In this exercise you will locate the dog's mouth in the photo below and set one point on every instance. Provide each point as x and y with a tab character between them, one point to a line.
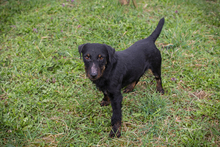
93	79
94	76
94	73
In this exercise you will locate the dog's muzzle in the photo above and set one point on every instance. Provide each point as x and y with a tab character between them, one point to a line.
94	72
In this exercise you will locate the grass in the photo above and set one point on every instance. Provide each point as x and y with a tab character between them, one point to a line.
46	99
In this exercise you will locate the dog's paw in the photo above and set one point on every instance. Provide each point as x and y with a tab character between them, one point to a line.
126	90
113	134
130	87
116	131
104	103
160	88
160	91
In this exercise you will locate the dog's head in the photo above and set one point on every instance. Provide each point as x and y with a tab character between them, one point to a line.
96	56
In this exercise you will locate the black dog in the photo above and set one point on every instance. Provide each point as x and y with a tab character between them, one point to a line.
111	71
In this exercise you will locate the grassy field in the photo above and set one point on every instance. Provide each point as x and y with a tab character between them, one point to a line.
46	99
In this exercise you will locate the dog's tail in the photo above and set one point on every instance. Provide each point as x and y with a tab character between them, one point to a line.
157	31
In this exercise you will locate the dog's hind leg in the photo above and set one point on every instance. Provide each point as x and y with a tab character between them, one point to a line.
157	74
159	85
130	87
105	101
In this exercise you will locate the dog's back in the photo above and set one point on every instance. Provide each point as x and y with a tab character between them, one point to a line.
139	57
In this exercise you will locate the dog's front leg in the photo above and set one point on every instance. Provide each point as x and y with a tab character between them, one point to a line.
116	99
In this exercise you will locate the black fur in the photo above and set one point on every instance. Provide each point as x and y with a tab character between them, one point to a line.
110	71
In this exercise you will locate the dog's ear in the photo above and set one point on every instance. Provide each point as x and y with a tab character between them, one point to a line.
111	52
80	48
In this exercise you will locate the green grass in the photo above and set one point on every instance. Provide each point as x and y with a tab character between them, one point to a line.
46	99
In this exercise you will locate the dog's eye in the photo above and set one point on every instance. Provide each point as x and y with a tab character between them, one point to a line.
87	57
100	58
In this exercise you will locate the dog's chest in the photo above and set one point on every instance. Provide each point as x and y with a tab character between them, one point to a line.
101	84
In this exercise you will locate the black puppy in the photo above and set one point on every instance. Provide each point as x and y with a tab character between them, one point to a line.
111	71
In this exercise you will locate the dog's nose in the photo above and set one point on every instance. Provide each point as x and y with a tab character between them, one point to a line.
93	74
